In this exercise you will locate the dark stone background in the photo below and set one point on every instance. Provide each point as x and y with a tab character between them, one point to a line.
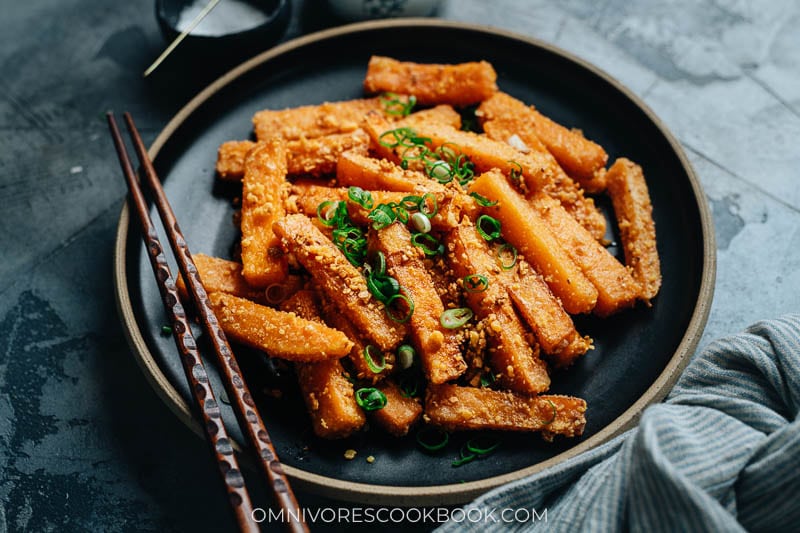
85	444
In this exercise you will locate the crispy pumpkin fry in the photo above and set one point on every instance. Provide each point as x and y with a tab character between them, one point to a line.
543	313
487	154
562	188
524	228
305	196
628	190
437	346
467	408
579	156
279	334
328	394
358	170
503	116
313	120
220	275
441	114
458	85
516	363
616	289
264	191
362	370
400	413
314	157
338	280
230	159
330	399
504	119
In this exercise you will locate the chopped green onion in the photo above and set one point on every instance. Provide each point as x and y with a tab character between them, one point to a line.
455	318
401	319
421	222
509	249
370	399
411	203
383	287
476	283
400	212
464	456
376	367
361	197
326	212
482	200
428	199
427	243
396	137
488	227
487	379
166	330
394	104
555	412
405	356
479	449
379	266
515	173
440	171
429	444
381	216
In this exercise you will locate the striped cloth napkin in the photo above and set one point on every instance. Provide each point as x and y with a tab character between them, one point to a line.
722	453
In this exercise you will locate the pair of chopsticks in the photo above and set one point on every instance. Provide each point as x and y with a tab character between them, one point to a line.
207	406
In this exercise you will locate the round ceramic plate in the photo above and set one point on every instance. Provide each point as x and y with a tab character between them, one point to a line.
638	354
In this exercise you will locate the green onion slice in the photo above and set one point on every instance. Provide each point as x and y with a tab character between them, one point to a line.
476	283
428	205
455	318
487	379
427	243
394	314
405	356
370	399
432	439
488	227
361	197
464	456
515	173
378	264
441	171
479	448
394	104
382	216
411	203
371	353
327	211
166	330
383	288
555	412
482	200
507	256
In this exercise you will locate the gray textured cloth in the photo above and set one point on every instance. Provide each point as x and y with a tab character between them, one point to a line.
722	453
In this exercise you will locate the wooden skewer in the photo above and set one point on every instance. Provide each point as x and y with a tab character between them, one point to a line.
243	403
192	25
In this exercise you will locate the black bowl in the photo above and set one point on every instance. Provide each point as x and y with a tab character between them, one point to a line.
233	30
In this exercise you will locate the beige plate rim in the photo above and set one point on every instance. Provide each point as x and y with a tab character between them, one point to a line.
441	494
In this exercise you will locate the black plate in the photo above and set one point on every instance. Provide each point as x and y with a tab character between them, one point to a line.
635	351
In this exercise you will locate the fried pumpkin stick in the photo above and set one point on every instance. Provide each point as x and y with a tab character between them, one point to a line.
628	190
511	356
338	280
454	408
328	394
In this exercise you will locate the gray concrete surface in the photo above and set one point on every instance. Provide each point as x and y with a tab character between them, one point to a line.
84	442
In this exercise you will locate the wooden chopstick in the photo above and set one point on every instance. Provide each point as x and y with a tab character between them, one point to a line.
243	403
